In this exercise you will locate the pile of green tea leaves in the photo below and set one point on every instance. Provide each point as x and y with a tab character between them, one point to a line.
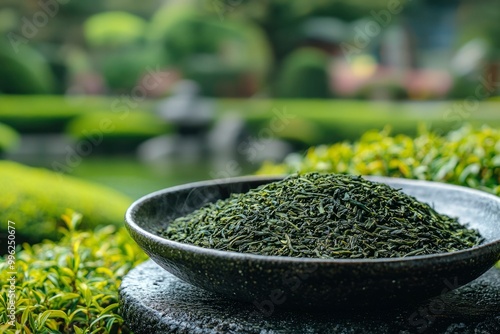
328	216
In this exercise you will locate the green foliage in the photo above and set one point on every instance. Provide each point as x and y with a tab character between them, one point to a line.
469	157
167	17
464	87
382	90
70	286
304	75
219	55
486	27
310	122
8	138
123	68
283	19
234	62
35	198
44	113
118	40
112	29
24	71
126	130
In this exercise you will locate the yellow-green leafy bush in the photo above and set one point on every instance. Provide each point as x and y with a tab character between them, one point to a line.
35	198
469	157
8	138
70	286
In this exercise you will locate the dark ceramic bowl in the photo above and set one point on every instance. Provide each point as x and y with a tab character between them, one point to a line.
270	281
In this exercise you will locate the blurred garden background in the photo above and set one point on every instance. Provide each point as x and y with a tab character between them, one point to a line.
102	102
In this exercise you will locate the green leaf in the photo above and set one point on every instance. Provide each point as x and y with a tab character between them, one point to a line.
31	321
68	272
471	170
74	314
65	296
100	318
40	298
42	318
25	315
105	271
77	330
109	308
58	314
111	322
495	161
86	293
448	167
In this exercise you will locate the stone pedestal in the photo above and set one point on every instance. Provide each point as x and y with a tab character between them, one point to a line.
154	301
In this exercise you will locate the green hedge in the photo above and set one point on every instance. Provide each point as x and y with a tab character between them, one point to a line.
122	68
44	113
304	74
35	198
468	157
9	138
125	131
315	122
70	286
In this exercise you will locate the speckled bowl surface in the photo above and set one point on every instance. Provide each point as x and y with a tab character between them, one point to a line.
305	283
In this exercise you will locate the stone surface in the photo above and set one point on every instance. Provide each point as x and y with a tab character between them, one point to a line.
155	301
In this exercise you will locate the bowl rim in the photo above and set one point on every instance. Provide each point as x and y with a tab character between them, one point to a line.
464	254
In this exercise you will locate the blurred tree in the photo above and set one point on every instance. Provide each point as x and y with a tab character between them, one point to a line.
117	41
282	20
225	57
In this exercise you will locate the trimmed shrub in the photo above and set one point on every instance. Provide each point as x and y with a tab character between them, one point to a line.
310	122
35	198
468	157
45	113
120	48
8	138
24	73
112	29
124	133
123	68
70	286
304	74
